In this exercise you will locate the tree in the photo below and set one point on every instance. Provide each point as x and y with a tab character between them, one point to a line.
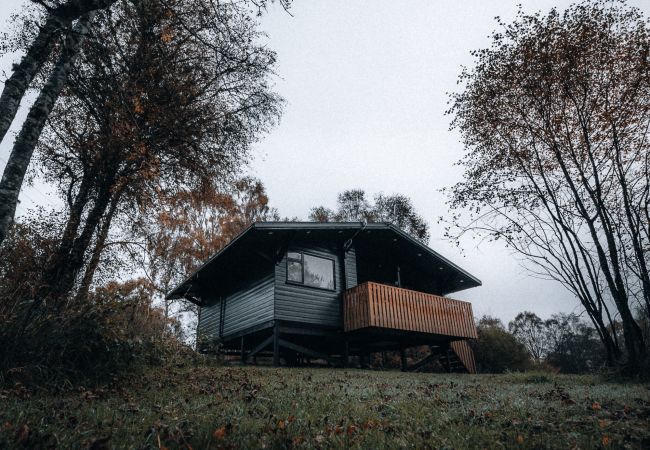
59	17
554	118
191	226
353	206
496	350
530	330
113	147
574	346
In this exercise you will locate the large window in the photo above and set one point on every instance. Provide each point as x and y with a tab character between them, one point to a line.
310	270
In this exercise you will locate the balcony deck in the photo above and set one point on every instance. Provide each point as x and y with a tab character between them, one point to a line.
374	305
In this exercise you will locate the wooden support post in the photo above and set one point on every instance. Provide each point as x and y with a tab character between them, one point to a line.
402	355
243	351
363	360
276	345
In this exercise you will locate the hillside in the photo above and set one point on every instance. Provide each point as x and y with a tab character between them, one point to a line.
251	407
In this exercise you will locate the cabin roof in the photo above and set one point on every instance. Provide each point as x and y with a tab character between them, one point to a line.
266	237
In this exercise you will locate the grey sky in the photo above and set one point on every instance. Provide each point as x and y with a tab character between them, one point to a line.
365	84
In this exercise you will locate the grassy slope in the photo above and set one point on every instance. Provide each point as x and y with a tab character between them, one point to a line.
212	407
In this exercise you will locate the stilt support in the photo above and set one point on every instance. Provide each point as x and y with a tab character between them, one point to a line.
276	345
402	357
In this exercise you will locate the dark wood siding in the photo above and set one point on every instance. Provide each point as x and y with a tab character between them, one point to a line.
249	307
245	308
208	326
350	268
305	304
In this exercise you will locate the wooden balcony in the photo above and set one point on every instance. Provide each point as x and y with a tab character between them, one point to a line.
374	305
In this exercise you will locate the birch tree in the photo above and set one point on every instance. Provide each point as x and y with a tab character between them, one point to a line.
164	99
59	17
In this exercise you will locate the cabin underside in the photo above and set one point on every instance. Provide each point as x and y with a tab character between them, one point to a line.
292	344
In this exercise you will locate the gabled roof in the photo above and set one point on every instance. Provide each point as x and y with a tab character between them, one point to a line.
272	235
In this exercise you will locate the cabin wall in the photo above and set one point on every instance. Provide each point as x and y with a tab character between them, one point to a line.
310	305
350	268
208	326
247	307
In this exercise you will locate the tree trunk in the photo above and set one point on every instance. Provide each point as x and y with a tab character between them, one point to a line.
60	277
21	154
23	74
97	251
37	53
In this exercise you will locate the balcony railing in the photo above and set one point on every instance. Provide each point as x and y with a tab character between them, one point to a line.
382	306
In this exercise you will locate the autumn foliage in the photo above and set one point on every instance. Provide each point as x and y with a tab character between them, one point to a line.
145	148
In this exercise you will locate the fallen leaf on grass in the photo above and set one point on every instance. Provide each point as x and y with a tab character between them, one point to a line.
520	439
22	434
596	406
606	441
219	433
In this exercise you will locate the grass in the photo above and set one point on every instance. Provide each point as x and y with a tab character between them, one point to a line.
261	407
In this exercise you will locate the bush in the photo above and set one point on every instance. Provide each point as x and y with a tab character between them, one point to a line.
496	350
114	331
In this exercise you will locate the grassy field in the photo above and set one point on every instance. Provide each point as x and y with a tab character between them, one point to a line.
250	407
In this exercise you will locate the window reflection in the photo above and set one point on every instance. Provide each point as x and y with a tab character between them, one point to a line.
319	272
310	270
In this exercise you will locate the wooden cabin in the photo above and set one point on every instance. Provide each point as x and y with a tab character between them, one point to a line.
331	291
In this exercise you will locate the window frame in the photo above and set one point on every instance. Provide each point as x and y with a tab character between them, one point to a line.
302	272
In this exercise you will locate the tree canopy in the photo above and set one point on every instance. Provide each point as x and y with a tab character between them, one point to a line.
354	206
554	117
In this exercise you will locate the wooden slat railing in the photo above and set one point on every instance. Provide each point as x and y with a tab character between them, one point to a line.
379	305
465	354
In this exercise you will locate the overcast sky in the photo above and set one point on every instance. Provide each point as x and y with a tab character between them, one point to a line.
366	85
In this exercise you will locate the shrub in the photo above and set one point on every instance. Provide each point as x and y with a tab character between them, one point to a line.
114	331
496	350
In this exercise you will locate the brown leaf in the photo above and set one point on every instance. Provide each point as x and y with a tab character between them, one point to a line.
219	433
22	434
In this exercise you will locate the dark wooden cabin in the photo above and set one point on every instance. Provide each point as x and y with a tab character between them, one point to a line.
331	291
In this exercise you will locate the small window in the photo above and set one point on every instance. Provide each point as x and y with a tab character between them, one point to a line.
310	270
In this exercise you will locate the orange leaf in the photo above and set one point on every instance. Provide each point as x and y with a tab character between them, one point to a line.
520	439
219	433
596	406
606	441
